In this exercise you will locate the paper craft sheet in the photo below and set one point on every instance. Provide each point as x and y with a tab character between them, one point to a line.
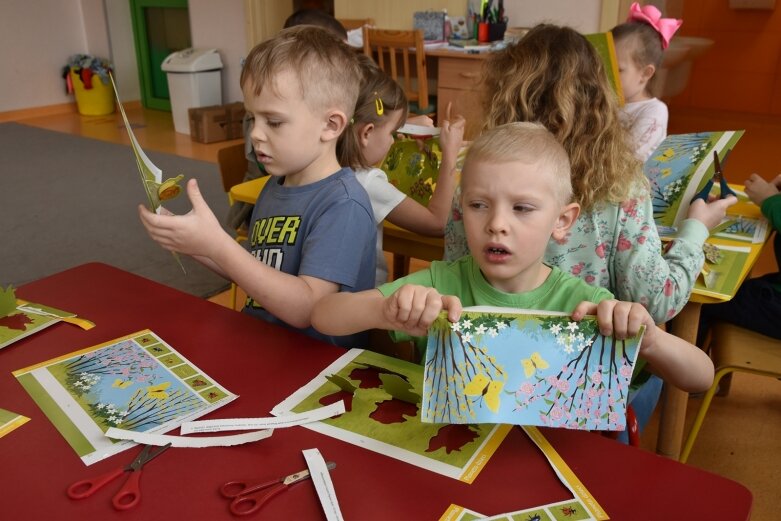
29	318
10	421
605	46
581	507
377	421
155	188
680	167
502	365
726	276
137	382
746	229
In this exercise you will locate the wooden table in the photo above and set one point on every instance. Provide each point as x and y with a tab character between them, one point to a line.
686	325
264	364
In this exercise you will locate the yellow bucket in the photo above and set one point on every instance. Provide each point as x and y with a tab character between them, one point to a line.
97	101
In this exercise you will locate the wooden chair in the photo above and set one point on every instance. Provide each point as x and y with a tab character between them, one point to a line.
355	23
233	167
390	48
732	349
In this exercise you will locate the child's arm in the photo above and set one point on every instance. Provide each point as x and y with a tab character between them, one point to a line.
198	233
659	278
431	219
411	309
675	360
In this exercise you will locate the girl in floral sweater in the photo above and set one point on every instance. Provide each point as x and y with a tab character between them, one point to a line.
554	76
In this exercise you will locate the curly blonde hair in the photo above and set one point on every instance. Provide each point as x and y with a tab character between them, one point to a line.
553	76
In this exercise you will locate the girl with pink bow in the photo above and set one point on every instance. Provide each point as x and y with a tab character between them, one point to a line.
640	44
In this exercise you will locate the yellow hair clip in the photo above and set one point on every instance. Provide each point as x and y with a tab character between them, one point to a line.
378	104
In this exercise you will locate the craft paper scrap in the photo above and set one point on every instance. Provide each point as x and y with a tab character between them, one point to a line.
680	167
740	228
137	382
721	280
184	442
582	507
10	421
381	396
565	473
245	424
26	318
155	188
321	477
564	510
521	367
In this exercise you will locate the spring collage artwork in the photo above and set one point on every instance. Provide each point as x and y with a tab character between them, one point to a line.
137	383
498	365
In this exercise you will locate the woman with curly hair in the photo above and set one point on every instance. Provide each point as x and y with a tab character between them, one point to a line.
554	76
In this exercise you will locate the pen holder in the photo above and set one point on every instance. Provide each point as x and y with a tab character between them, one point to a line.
482	32
496	31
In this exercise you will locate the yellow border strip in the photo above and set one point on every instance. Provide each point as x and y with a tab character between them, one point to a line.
19	372
572	481
482	456
13	424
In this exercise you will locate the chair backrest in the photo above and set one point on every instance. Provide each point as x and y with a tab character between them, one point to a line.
355	23
233	165
391	48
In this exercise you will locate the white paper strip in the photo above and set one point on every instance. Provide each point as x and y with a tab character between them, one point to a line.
418	130
181	441
323	484
246	424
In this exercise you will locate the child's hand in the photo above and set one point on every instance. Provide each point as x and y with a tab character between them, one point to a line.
757	189
412	309
619	319
711	213
451	135
194	233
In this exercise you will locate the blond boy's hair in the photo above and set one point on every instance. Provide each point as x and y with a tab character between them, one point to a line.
327	68
529	143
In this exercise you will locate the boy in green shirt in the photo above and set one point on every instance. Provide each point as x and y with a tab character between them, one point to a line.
516	195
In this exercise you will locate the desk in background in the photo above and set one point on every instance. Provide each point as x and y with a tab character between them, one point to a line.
264	364
458	75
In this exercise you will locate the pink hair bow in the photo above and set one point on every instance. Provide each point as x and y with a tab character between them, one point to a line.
649	14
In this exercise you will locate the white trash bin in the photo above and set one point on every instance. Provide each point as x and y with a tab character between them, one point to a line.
194	80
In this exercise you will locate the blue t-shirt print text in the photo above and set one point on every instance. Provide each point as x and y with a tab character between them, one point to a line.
268	236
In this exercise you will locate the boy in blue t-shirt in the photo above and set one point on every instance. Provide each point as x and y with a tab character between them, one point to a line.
312	228
516	195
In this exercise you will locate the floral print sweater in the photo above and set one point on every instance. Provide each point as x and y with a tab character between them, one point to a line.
617	247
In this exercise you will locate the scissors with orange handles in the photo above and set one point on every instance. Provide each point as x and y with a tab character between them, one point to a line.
130	493
718	175
249	498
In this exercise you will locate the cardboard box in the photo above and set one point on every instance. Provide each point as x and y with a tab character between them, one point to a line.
216	123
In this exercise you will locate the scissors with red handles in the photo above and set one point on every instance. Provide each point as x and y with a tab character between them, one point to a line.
718	175
248	498
130	493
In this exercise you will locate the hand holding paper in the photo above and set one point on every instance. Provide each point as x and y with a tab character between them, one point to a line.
413	309
711	213
197	232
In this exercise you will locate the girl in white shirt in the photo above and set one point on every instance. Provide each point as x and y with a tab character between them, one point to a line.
640	44
379	112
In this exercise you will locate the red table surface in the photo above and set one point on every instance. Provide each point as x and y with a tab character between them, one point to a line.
264	364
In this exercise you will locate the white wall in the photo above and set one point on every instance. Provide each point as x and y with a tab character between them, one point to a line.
122	49
582	15
221	25
38	36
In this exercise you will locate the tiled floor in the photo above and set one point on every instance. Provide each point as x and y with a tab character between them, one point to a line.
740	436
